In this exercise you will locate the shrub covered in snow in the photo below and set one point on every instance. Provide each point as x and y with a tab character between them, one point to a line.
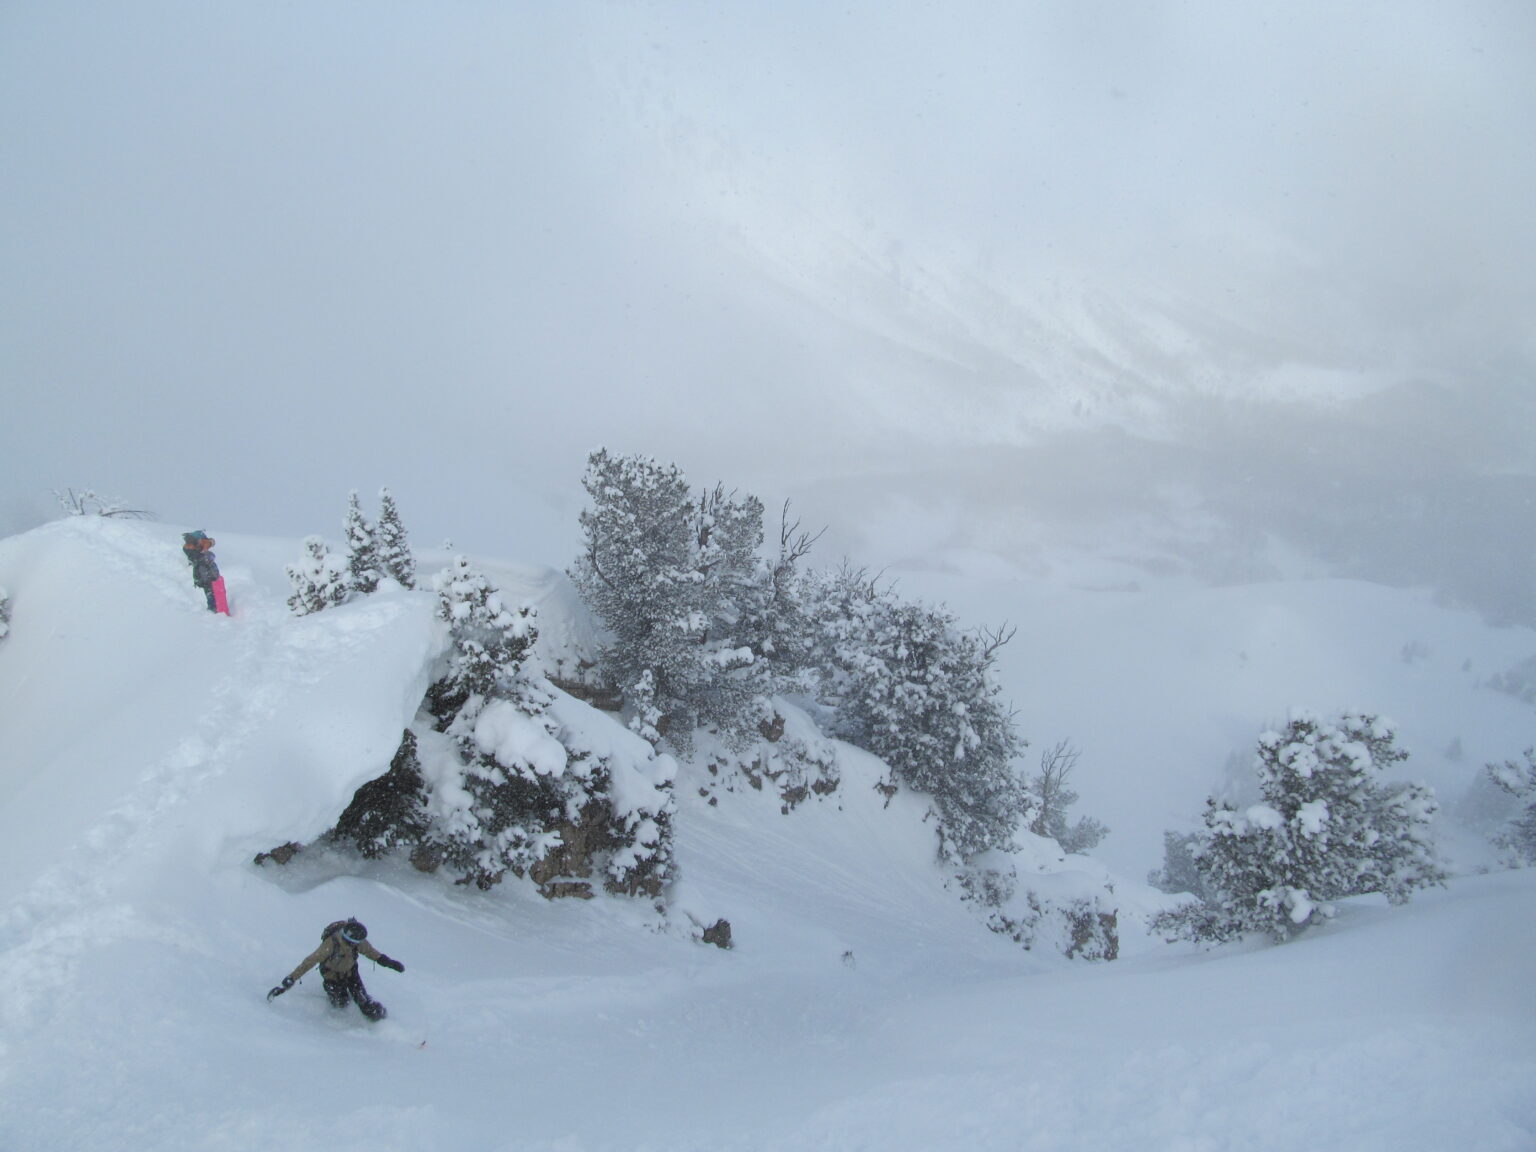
88	502
319	581
5	612
1519	781
1324	829
1054	798
792	758
1058	910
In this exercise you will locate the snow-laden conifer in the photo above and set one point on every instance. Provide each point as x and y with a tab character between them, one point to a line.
490	645
1180	871
1519	780
736	592
5	612
1326	828
673	579
516	797
911	687
636	573
394	549
773	619
362	548
319	581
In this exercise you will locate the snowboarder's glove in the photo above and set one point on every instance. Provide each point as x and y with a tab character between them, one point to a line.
388	963
281	988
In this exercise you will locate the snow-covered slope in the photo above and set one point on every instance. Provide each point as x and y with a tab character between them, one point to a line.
148	749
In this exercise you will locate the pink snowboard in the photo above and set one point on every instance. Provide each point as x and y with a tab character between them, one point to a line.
220	598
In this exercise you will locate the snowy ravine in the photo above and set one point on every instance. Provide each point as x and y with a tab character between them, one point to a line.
149	749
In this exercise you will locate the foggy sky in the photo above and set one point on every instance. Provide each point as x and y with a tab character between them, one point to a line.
875	258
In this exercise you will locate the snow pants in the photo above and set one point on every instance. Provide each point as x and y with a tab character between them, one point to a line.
350	987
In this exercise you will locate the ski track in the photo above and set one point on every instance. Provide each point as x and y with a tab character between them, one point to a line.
77	904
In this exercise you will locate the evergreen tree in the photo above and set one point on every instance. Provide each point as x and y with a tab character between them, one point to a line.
5	613
637	576
362	548
490	644
524	802
773	619
394	550
1325	829
1180	871
319	581
499	815
916	691
1519	780
672	579
734	591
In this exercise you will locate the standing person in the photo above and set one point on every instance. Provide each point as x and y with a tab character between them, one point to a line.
198	549
340	944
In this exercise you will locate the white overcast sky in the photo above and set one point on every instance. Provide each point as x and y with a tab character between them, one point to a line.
254	255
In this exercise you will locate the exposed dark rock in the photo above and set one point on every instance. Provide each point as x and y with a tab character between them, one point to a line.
281	854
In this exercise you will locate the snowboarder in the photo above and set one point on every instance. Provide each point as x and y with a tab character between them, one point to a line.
198	549
337	956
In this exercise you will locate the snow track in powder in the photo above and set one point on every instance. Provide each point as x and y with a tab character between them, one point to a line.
135	801
79	903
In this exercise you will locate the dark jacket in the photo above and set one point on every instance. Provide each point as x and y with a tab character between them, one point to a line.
204	570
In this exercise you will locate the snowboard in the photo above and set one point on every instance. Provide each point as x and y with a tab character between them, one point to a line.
220	597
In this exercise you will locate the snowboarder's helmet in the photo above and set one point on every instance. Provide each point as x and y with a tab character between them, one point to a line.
353	932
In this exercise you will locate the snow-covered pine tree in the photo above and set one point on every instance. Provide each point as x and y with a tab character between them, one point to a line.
1179	872
521	800
636	573
362	548
5	612
490	644
1519	780
497	816
773	619
841	606
911	687
735	589
1325	829
671	578
394	550
319	581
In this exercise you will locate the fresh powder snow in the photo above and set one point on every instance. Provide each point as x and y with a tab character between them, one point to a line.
149	750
